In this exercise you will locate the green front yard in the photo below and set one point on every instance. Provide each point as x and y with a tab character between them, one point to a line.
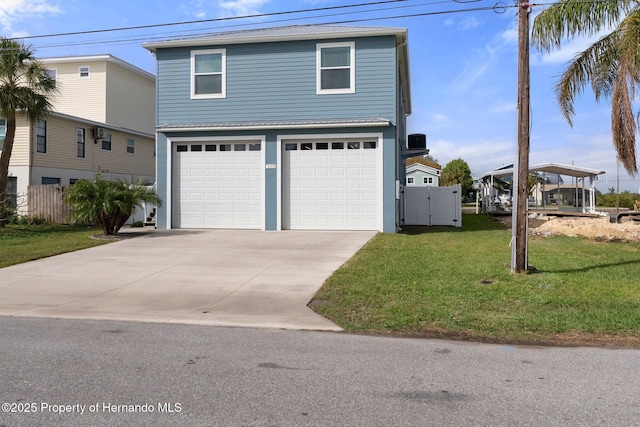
440	281
22	243
450	282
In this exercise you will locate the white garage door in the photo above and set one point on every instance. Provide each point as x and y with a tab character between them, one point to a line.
217	185
331	185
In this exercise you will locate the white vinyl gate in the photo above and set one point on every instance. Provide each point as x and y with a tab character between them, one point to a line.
433	205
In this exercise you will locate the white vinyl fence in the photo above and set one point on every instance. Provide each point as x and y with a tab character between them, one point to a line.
433	205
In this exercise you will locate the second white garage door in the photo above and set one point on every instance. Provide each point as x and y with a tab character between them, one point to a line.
331	185
217	185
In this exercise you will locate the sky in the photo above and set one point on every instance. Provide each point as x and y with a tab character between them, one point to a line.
463	66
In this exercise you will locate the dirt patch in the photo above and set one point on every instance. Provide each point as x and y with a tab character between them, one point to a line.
599	229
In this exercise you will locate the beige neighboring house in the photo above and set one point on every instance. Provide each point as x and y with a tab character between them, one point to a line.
102	123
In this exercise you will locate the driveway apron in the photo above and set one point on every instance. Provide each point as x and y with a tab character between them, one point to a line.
206	277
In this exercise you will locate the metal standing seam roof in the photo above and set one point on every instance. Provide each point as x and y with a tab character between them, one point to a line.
298	124
556	168
263	35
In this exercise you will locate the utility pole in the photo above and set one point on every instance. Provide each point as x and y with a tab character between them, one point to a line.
519	214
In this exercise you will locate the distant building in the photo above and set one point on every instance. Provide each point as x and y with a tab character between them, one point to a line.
102	123
422	175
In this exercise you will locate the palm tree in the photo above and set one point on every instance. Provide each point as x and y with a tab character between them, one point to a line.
107	203
25	86
611	65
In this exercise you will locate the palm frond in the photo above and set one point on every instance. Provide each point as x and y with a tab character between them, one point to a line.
623	124
569	18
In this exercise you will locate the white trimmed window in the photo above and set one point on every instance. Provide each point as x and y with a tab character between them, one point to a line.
84	72
131	145
3	131
106	142
411	180
41	136
427	180
80	143
336	68
52	73
208	73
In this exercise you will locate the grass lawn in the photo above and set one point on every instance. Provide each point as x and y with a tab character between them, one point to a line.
456	283
21	243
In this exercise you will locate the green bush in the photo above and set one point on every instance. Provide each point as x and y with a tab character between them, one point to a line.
106	203
627	199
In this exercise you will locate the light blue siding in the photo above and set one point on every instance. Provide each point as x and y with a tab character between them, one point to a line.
277	81
389	148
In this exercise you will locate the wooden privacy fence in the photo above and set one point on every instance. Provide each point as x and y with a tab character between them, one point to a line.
45	201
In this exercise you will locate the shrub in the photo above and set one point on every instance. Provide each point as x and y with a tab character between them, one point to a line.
106	203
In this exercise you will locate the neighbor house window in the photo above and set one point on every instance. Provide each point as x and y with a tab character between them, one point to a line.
12	191
3	131
336	70
106	142
131	145
84	72
410	180
46	180
208	73
41	136
80	142
427	180
52	73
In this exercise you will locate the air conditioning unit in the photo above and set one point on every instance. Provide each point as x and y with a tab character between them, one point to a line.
98	132
417	141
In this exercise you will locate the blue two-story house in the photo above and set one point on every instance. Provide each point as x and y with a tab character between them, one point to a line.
298	127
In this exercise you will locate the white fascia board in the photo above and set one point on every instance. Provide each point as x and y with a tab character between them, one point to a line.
275	126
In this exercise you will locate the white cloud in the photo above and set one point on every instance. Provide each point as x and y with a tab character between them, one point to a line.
203	9
481	155
469	23
483	60
13	11
241	7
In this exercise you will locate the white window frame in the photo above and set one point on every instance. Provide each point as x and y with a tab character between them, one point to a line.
427	180
81	133
352	66
38	135
132	146
53	73
3	134
88	68
223	73
107	138
411	180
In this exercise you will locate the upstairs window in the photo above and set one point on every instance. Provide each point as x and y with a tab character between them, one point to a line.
208	73
80	143
3	131
52	73
336	70
41	136
84	72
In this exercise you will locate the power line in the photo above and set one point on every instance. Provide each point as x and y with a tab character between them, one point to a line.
259	15
164	35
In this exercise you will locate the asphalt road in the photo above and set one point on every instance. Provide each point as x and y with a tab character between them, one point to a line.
117	373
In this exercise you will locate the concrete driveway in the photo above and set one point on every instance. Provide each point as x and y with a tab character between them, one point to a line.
206	277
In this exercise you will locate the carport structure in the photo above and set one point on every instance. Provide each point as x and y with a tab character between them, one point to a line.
584	190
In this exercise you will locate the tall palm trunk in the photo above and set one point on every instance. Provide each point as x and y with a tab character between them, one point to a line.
4	167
